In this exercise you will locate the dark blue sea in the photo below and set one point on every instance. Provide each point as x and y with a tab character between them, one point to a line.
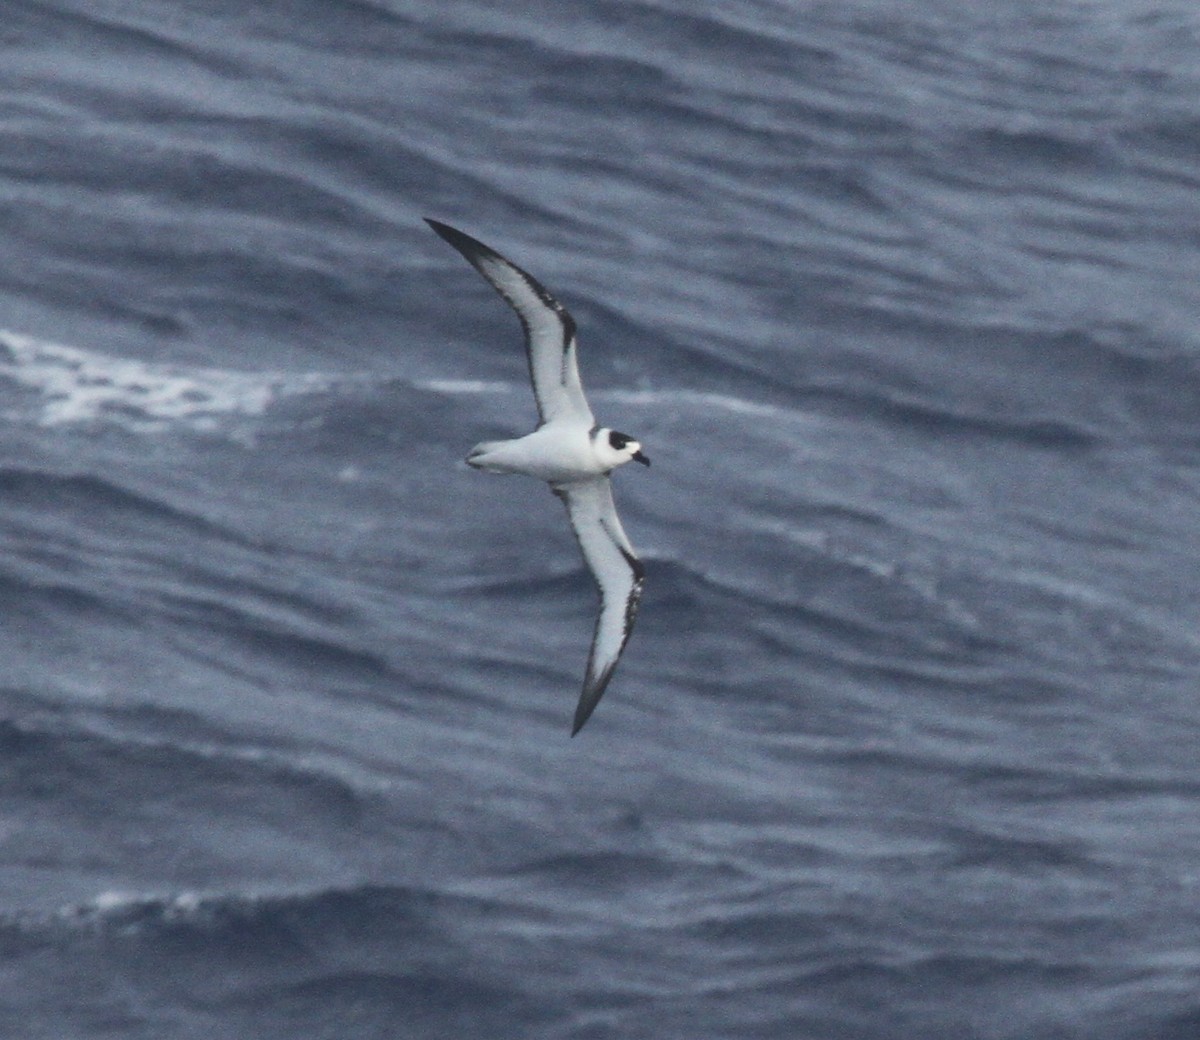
902	299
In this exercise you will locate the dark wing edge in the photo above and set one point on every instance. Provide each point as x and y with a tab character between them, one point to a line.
478	256
595	684
614	538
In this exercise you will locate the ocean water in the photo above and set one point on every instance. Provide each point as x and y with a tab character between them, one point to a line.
901	299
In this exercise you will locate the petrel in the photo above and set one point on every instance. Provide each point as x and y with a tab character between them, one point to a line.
571	452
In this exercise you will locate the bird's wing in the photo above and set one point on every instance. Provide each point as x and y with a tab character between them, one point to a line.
619	575
549	329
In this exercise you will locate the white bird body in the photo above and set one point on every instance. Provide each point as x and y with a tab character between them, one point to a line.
560	452
570	452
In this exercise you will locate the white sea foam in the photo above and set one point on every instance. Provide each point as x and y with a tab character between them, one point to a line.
127	910
80	386
464	386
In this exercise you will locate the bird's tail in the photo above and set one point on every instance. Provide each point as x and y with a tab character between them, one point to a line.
483	456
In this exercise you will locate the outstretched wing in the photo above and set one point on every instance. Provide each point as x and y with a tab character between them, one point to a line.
549	329
619	575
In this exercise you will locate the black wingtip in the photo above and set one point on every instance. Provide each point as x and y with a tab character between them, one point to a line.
589	698
583	711
477	254
581	715
461	241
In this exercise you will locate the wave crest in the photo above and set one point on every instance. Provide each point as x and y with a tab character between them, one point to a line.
77	386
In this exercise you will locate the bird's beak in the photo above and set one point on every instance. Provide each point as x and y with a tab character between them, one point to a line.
639	457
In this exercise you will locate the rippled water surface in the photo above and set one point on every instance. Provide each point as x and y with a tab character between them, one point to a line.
902	300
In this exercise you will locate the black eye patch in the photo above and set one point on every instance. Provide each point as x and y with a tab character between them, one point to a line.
618	440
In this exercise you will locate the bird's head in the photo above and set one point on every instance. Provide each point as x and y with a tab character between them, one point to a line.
615	448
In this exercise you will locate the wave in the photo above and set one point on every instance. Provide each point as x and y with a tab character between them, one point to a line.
65	386
330	962
90	756
401	961
77	386
45	491
327	911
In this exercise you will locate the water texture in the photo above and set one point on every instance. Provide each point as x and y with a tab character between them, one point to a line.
902	300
